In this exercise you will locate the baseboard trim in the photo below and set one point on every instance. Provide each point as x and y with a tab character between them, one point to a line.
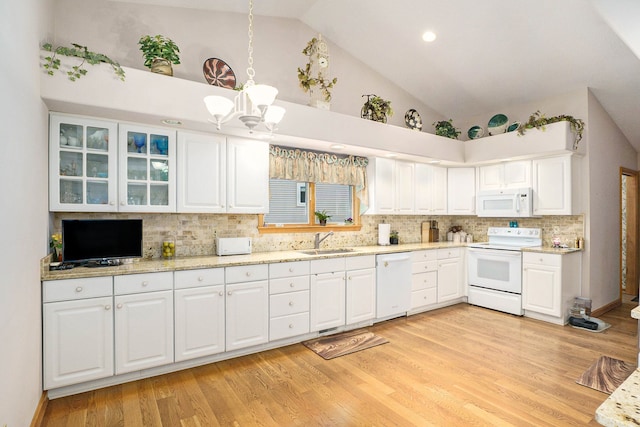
602	310
38	416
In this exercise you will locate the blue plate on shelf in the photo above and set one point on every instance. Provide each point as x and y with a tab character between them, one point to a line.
475	132
513	126
497	124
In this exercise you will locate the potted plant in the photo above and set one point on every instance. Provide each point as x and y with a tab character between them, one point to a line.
159	53
348	221
56	244
376	109
52	62
538	120
445	128
393	237
322	217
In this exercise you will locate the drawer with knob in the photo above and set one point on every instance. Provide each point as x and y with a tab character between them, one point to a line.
537	258
424	266
246	273
424	297
289	303
146	282
70	289
288	269
288	284
288	326
198	278
426	280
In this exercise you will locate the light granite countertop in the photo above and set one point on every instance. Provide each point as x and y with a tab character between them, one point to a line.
191	263
635	313
622	407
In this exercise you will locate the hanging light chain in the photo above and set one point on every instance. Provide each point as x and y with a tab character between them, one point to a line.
250	71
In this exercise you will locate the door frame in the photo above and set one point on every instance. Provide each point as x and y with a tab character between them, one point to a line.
632	232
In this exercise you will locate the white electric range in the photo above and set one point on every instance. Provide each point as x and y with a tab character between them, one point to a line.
495	268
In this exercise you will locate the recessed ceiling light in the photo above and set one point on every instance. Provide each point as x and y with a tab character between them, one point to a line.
429	36
172	122
337	146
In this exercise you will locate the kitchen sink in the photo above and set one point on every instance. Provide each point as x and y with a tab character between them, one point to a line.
327	251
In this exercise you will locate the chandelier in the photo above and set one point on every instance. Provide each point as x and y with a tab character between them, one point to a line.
252	105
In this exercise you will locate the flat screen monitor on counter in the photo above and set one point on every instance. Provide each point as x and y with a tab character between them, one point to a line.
101	240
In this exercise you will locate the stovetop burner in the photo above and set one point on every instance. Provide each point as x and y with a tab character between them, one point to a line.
511	238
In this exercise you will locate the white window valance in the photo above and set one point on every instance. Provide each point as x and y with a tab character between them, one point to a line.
313	166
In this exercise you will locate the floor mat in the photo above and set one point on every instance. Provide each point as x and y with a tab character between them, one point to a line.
346	343
606	374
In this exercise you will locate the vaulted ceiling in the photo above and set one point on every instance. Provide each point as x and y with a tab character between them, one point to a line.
488	54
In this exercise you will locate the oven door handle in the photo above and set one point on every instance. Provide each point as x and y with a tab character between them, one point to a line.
495	252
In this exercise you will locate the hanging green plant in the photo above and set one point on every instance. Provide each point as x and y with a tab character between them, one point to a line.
445	128
376	109
538	120
52	62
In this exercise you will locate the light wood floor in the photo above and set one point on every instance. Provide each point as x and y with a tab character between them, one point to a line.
458	366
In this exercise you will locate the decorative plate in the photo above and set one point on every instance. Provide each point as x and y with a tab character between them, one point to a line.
475	132
218	73
497	124
413	120
513	126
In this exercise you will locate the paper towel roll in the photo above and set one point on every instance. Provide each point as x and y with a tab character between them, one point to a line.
383	234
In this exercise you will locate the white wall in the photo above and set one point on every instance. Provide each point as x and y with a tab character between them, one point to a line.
114	28
23	215
608	151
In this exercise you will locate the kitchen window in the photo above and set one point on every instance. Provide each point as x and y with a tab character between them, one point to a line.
292	205
303	182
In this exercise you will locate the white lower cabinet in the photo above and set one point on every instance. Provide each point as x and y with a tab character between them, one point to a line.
288	299
247	306
360	289
328	298
550	283
199	313
450	274
424	278
143	321
77	330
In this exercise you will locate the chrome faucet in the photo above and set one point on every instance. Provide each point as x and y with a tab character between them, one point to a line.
318	240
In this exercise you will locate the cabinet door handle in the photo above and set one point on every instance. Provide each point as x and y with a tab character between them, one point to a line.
349	277
200	278
290	303
229	293
291	270
291	285
119	306
122	204
290	326
248	274
221	293
107	307
145	283
112	203
79	289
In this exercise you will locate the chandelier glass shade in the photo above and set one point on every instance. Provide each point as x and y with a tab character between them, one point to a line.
252	105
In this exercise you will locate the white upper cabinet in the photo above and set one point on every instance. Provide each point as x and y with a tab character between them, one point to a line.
82	164
430	189
391	186
202	178
556	186
505	175
247	176
147	169
461	191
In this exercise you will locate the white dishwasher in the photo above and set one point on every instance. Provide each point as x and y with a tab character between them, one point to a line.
393	285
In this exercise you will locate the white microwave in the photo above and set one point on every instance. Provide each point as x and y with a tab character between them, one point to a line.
507	203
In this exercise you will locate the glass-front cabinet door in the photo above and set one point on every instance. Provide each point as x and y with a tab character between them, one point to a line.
147	160
82	164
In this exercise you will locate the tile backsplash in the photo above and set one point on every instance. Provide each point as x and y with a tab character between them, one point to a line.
194	234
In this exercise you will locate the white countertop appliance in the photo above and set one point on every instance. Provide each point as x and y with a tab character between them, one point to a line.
233	245
495	268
